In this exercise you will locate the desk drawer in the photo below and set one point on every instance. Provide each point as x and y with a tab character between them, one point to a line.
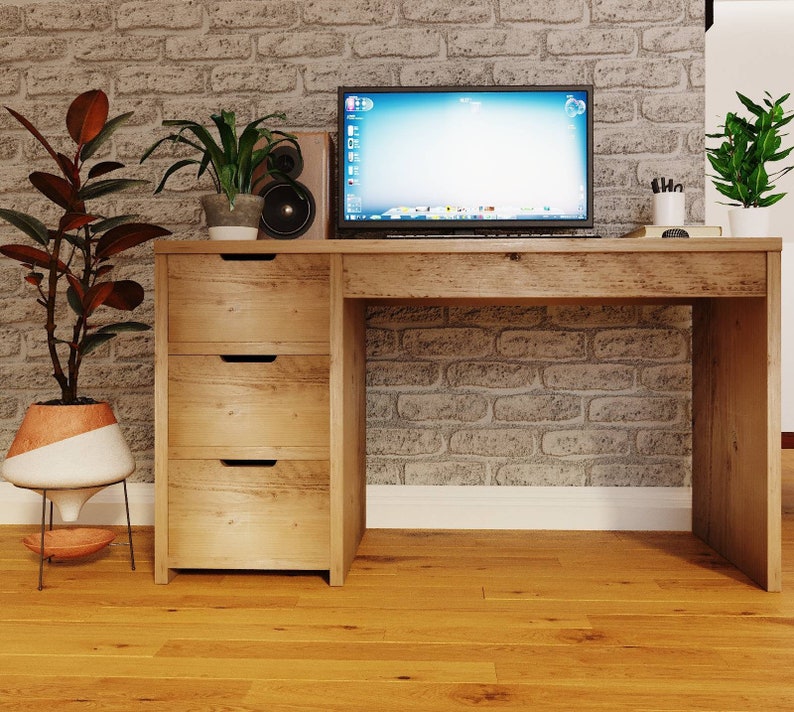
270	299
248	515
226	401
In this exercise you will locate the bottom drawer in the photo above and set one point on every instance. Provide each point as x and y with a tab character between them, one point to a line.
248	515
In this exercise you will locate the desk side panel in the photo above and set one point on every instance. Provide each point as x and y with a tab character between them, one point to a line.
774	385
735	468
348	427
162	574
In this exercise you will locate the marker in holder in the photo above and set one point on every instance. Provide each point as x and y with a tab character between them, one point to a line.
669	204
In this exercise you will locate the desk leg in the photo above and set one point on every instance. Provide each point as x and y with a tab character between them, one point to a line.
736	433
162	574
348	427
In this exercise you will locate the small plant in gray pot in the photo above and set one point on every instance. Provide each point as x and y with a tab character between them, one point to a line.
238	165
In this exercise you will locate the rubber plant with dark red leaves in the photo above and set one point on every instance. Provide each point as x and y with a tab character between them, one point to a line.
68	267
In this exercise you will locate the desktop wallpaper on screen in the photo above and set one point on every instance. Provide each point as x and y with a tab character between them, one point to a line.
468	155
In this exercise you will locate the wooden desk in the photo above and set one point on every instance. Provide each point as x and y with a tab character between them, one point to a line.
732	284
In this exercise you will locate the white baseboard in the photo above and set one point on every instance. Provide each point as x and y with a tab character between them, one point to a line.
22	506
431	507
578	508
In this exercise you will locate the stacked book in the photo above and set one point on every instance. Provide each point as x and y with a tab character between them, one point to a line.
676	231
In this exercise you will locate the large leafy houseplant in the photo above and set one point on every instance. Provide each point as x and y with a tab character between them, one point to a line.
68	267
745	148
236	163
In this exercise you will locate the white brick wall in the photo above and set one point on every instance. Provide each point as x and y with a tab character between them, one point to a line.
564	395
529	396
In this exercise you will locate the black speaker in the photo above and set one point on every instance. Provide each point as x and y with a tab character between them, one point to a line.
290	213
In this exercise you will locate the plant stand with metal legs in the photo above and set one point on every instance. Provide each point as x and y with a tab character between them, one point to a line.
44	526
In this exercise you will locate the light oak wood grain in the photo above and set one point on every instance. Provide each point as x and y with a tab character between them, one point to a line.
427	621
162	573
282	301
214	403
555	275
217	411
231	516
348	434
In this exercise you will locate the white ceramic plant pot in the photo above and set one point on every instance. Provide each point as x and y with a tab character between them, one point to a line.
242	223
233	232
71	451
749	222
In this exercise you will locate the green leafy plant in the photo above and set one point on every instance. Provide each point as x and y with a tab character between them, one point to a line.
73	256
746	147
236	164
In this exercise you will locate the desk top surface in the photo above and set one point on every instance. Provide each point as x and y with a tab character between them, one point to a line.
478	245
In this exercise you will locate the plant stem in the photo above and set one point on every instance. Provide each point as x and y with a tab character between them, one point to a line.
52	289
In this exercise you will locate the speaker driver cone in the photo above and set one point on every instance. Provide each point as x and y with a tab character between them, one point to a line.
287	159
286	214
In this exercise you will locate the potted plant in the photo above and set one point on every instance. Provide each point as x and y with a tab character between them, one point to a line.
740	161
237	165
73	442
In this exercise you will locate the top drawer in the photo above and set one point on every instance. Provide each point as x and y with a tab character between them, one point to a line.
263	299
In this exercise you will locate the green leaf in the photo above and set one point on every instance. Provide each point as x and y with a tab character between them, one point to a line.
90	148
104	225
729	191
246	166
105	187
750	105
208	143
75	240
93	341
74	300
179	165
28	224
780	155
124	326
227	131
768	200
758	181
227	176
171	138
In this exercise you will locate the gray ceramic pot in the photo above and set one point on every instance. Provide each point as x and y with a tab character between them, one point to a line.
242	223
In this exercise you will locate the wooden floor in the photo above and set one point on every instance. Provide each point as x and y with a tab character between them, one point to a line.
427	621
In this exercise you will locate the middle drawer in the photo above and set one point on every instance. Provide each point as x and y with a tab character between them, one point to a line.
226	401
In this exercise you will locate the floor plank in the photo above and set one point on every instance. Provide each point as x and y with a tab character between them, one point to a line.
428	621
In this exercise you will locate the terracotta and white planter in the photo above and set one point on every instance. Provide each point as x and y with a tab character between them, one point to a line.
72	451
242	223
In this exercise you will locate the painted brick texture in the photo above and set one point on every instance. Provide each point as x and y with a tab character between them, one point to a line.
561	395
574	400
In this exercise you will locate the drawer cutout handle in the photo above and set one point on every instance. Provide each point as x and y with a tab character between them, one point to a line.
249	463
247	257
248	358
